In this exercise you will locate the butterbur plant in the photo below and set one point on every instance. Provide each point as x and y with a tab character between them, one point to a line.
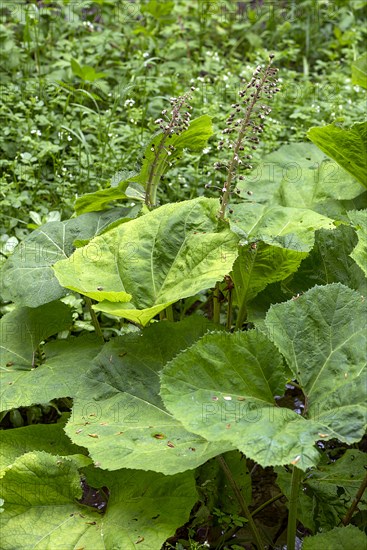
229	337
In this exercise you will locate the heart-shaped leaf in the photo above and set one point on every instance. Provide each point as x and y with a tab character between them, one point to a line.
131	426
149	263
232	380
44	505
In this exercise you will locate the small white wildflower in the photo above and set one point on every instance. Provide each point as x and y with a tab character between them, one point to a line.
146	54
129	103
225	77
70	138
206	150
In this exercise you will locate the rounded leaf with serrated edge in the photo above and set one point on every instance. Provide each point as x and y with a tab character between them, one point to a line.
133	429
322	334
170	253
224	388
41	508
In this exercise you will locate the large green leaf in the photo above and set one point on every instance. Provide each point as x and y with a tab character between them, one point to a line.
292	228
27	276
224	388
231	381
330	262
347	146
149	263
153	167
359	254
299	175
22	330
340	538
42	511
255	268
130	426
332	488
327	492
59	376
144	508
322	334
359	71
39	437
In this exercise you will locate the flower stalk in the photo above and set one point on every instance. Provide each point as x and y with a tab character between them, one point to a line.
171	125
248	127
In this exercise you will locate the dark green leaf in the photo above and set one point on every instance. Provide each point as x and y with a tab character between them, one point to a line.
348	147
133	428
28	278
23	329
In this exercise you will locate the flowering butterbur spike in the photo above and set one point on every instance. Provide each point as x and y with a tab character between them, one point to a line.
247	123
172	123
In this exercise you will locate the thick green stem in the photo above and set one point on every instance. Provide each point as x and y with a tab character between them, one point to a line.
169	313
241	502
155	170
229	311
241	316
152	184
94	318
293	506
216	304
357	498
